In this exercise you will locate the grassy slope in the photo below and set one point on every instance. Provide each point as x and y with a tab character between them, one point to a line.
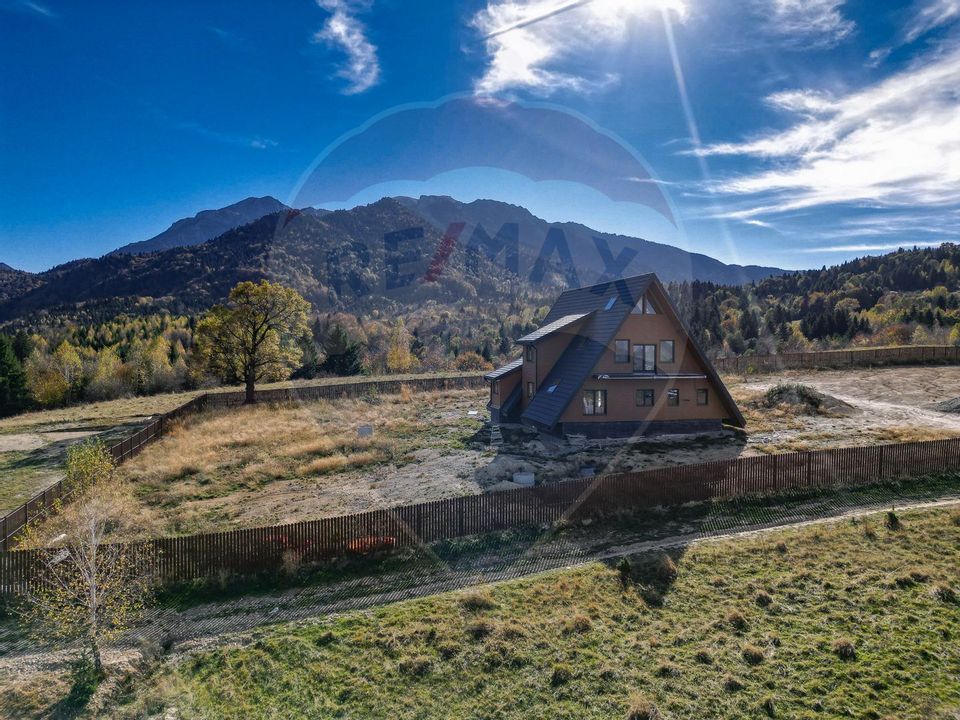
441	657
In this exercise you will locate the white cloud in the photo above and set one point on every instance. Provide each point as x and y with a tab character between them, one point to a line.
540	45
810	23
342	29
869	248
896	143
932	15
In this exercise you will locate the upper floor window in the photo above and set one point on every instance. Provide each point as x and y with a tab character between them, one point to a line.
673	397
531	353
621	351
529	389
666	351
594	402
703	397
645	358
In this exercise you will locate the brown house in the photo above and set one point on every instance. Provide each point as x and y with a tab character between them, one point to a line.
612	360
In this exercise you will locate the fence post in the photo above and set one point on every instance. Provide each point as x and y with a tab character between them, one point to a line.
880	465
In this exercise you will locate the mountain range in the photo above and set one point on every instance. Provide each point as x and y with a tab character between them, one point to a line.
386	254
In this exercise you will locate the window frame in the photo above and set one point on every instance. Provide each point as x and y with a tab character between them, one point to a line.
643	356
616	354
673	397
642	393
530	389
594	395
529	354
673	352
705	394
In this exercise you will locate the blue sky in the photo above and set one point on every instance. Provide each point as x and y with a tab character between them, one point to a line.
784	132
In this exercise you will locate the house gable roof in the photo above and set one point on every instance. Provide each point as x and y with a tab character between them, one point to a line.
581	355
505	370
597	331
556	325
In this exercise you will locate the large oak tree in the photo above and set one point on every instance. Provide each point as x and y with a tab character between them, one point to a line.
255	336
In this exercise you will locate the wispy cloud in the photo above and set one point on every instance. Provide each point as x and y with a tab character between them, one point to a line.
895	143
342	29
255	142
28	6
931	15
544	45
806	23
868	248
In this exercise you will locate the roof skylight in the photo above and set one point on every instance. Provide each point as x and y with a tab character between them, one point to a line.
610	303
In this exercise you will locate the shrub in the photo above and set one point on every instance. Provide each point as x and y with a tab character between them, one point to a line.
763	599
667	669
666	568
892	521
732	684
641	708
781	547
704	657
752	654
624	568
945	593
479	630
736	620
405	394
955	519
769	707
844	649
651	597
477	601
88	463
868	531
417	666
579	625
561	675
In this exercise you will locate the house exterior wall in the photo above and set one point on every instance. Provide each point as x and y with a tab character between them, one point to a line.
621	393
546	353
506	385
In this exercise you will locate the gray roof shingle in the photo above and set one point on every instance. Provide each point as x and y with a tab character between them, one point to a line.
583	352
505	370
553	327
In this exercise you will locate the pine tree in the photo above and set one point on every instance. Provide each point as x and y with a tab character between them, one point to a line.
13	380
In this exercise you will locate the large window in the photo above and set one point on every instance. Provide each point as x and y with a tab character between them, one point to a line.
644	398
703	397
644	358
529	389
673	397
621	351
594	402
666	351
530	353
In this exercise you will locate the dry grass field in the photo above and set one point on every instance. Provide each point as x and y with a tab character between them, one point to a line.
266	465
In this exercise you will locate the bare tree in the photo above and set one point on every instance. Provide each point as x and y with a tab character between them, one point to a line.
88	584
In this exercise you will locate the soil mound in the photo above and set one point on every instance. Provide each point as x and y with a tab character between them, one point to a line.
947	406
806	400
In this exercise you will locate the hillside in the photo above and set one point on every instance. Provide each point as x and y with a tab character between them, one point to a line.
668	262
14	283
206	225
336	260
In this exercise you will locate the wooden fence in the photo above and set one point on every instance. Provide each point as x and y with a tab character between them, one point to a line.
259	550
912	354
14	521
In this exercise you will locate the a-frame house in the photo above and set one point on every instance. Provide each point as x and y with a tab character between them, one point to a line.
612	360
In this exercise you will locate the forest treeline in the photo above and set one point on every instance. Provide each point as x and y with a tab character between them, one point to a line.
906	297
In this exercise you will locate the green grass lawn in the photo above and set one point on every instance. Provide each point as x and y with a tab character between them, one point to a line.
852	619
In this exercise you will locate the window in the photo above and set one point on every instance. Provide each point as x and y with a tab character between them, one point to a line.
496	388
621	351
530	353
529	389
666	351
644	398
594	402
703	397
644	358
553	388
610	303
673	397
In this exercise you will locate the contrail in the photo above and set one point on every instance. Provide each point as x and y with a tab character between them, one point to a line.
544	16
